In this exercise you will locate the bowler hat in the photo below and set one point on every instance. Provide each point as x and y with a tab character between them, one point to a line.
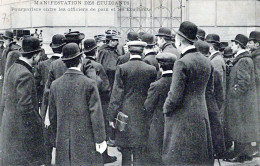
188	30
30	45
201	34
149	39
131	36
254	35
202	47
166	58
241	39
213	38
89	45
8	35
228	52
58	41
74	37
70	51
112	37
164	32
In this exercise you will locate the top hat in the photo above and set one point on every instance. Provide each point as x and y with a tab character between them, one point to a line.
188	30
131	36
89	45
58	41
166	58
241	39
164	32
254	35
70	51
213	38
202	47
201	34
228	52
112	37
30	45
8	35
149	39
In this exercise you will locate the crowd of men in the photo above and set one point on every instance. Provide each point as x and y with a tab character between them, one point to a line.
182	98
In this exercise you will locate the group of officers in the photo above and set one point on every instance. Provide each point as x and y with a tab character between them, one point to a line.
169	99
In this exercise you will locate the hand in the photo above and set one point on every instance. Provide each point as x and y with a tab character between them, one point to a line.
111	123
101	147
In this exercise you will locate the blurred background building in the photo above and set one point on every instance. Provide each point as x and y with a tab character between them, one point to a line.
224	17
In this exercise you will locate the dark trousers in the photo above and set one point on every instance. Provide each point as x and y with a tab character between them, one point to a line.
137	156
49	142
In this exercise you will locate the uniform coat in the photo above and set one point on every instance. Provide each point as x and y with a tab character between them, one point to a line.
157	94
169	48
256	58
132	82
21	131
75	110
151	60
241	114
57	69
187	136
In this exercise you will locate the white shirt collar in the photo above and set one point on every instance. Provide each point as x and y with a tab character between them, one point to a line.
240	52
187	48
22	59
148	51
167	72
58	55
135	56
75	68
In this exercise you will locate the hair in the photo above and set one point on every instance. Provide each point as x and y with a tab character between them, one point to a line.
91	53
30	55
166	66
243	47
73	62
57	50
215	46
149	47
185	41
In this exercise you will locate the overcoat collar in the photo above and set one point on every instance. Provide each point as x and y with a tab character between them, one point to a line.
72	71
240	56
256	53
166	45
18	61
214	55
150	53
190	50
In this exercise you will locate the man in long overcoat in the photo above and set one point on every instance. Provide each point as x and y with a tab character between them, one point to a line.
187	136
241	114
76	114
157	94
21	141
132	81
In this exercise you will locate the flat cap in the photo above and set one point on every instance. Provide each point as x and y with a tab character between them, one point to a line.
168	58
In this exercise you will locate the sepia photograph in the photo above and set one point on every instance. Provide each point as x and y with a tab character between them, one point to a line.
129	82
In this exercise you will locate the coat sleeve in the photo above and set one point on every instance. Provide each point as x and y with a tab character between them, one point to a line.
52	110
105	86
96	115
89	70
175	94
257	69
151	100
116	96
25	104
218	89
243	78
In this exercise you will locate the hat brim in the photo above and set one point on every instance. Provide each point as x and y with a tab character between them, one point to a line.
29	52
88	50
74	56
238	42
185	37
57	45
227	55
213	41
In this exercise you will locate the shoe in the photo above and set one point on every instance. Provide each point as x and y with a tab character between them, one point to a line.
109	159
111	143
240	159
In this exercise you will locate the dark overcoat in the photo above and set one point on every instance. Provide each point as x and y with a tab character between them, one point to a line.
187	135
56	70
241	116
108	57
123	59
169	48
132	82
151	60
11	58
76	113
21	131
157	94
256	58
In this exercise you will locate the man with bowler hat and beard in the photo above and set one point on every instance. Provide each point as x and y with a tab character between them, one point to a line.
164	41
149	52
187	136
254	45
154	106
41	75
21	132
90	49
76	114
132	81
241	116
